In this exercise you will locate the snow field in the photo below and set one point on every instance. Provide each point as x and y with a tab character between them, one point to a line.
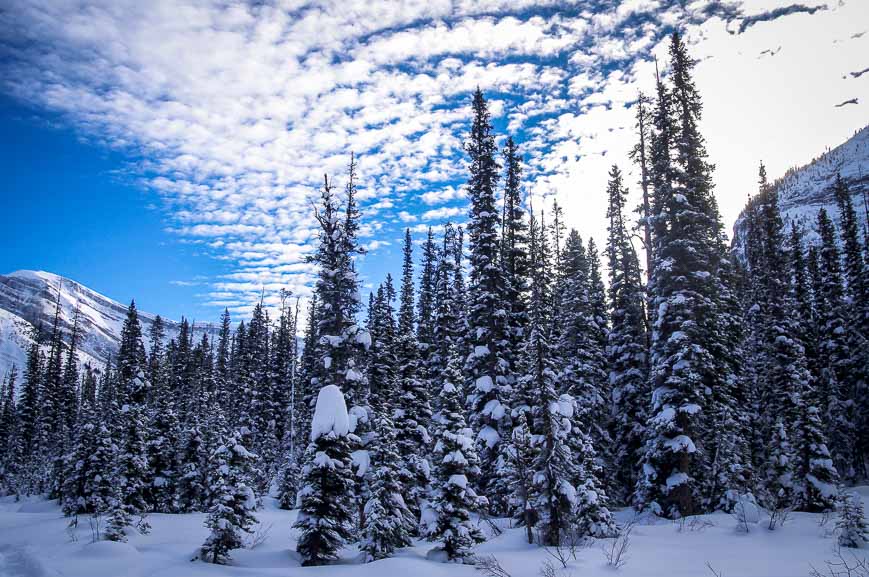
35	541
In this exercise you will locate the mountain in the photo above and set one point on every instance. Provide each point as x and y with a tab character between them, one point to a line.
804	191
28	301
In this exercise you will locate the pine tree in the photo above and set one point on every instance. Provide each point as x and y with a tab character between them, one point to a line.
425	315
231	514
856	386
456	466
89	482
640	155
780	484
337	289
31	435
819	475
389	522
520	473
852	526
306	392
514	252
555	470
163	432
685	292
325	517
626	346
192	489
487	366
118	519
413	405
837	370
8	420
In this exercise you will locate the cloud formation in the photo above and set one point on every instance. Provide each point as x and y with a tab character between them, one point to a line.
234	111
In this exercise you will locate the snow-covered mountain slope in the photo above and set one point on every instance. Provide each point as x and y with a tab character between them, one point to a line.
28	300
804	191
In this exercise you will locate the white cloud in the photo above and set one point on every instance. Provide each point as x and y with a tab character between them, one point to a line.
237	110
443	213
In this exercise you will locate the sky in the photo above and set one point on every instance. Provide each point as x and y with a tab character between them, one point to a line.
170	151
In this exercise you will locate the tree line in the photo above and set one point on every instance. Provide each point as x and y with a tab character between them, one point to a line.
503	378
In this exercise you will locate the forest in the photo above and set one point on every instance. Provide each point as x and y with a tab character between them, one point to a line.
513	370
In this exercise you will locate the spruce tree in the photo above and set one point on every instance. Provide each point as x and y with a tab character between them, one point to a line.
413	404
163	433
389	522
520	474
234	501
626	346
555	469
487	367
89	482
852	526
686	289
456	466
837	370
856	270
325	517
192	489
780	483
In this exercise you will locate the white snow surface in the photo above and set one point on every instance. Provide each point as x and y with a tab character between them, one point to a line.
330	415
34	541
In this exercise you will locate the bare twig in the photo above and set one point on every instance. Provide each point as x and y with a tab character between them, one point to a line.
778	517
548	569
616	552
713	571
842	567
260	535
489	566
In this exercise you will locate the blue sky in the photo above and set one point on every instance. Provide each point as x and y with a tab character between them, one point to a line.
169	150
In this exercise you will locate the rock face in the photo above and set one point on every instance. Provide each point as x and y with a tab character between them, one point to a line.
804	191
28	302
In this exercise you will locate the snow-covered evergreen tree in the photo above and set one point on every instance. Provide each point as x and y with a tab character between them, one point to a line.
233	500
780	483
413	411
626	347
520	475
325	518
836	353
818	474
851	524
192	489
686	290
487	367
389	523
456	466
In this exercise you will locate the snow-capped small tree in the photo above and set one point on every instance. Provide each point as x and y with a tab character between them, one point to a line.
456	466
288	484
592	516
780	490
89	484
520	476
852	527
164	431
234	500
326	514
389	522
817	470
192	490
119	519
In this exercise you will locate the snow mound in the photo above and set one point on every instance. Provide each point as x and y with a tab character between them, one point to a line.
108	549
330	415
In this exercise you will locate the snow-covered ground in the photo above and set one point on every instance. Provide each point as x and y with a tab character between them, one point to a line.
35	541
